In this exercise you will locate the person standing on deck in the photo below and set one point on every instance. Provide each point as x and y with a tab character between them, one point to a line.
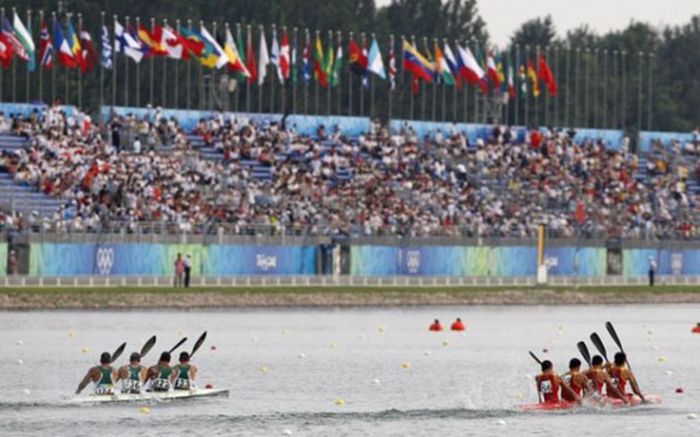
102	375
652	270
179	270
188	269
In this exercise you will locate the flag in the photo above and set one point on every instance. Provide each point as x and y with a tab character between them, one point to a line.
88	50
263	59
511	81
124	43
241	52
74	43
25	38
275	57
5	51
293	66
392	68
306	63
357	59
546	76
328	62
532	74
205	53
65	55
250	58
173	44
11	38
235	63
319	63
365	77
492	69
375	64
153	39
284	55
471	70
444	73
337	65
213	55
452	63
416	63
522	76
45	47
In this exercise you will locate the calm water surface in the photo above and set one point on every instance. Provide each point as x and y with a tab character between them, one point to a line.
288	368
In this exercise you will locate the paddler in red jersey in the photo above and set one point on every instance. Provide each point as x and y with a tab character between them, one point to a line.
549	384
621	374
436	326
458	325
576	380
599	378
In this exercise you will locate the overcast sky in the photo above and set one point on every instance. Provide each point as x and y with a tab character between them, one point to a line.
504	16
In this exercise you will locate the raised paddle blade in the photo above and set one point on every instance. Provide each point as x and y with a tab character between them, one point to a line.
599	345
584	352
199	343
534	357
179	343
117	353
148	346
611	329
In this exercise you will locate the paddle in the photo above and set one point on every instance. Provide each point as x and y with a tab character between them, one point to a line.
534	357
611	329
148	346
198	343
179	343
117	353
599	345
584	352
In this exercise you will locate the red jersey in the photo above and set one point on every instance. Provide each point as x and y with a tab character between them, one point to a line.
591	375
618	380
548	387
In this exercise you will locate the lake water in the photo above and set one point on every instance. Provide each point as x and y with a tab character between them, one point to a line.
287	369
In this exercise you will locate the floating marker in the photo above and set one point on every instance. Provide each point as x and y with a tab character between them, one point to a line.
264	369
26	391
213	348
302	355
287	432
662	359
209	386
144	410
381	329
255	339
339	402
20	342
333	345
86	350
71	334
669	373
427	353
445	343
376	381
519	395
680	390
692	416
545	351
20	362
501	422
560	328
406	365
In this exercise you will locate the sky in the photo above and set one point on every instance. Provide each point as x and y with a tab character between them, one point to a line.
503	17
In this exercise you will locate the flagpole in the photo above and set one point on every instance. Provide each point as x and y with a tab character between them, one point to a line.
213	86
465	92
476	93
164	75
595	88
151	67
188	80
650	91
126	67
412	98
587	96
526	114
272	79
391	91
329	79
350	96
402	77
80	70
605	89
39	64
201	96
114	69
363	44
623	124
340	89
516	84
577	87
237	93
568	85
545	101
294	69
100	120
557	122
639	94
26	83
613	90
283	90
306	83
138	70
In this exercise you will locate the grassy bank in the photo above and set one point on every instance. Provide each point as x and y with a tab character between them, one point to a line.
243	297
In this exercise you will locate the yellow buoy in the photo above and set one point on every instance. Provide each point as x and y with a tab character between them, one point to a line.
662	359
71	334
340	402
445	343
144	410
333	345
519	395
406	365
381	329
86	350
264	369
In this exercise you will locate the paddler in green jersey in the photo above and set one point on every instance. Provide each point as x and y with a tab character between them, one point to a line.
132	375
103	376
184	373
161	373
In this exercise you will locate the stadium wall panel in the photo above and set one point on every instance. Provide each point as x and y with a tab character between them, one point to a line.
635	262
3	259
153	259
308	124
646	137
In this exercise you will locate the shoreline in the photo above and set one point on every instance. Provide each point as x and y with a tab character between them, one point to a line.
23	299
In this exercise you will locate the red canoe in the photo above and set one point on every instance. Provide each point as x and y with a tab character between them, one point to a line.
611	402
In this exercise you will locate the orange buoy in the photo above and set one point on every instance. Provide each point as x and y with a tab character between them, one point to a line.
436	326
696	329
458	325
679	390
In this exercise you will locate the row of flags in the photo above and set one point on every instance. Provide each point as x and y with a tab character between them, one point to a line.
72	49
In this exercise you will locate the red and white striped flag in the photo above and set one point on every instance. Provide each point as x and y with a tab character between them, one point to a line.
45	47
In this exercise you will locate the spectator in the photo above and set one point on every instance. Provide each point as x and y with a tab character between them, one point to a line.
652	270
179	270
188	268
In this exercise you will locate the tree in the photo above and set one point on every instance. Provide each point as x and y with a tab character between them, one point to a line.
535	32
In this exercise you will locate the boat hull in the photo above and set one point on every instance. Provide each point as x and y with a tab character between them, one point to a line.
152	396
602	403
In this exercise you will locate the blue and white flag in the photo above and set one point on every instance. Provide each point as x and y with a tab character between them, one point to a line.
375	64
106	49
125	43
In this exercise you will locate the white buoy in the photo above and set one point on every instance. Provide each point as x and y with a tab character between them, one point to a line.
20	361
20	342
302	355
669	373
376	381
255	339
287	432
427	353
26	391
692	416
501	422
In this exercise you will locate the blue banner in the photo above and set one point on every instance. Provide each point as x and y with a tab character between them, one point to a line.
26	109
665	138
224	260
635	262
309	124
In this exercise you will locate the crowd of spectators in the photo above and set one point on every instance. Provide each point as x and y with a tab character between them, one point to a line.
149	171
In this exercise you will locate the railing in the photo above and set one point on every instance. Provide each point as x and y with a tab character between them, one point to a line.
342	281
